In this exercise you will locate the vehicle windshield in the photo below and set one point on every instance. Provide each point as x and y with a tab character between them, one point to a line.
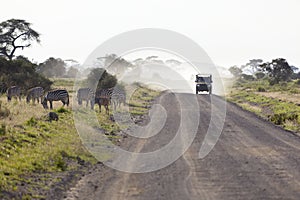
203	79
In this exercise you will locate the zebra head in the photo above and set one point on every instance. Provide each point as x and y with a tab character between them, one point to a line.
44	103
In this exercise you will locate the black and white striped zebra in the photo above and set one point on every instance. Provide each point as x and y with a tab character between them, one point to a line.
56	95
118	97
86	94
3	88
13	91
34	94
113	96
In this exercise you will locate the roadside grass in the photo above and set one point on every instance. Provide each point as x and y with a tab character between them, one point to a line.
39	146
31	145
278	111
292	87
140	101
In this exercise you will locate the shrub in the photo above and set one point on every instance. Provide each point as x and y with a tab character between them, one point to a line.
297	82
2	129
23	73
31	122
260	75
278	119
4	112
261	89
62	110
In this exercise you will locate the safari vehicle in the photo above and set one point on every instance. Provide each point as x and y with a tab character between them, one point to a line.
203	83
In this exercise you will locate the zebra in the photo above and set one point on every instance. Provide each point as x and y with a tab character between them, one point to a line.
35	93
13	91
118	97
56	95
113	96
86	94
103	97
3	88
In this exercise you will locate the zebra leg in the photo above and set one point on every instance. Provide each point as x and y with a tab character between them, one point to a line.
92	104
51	107
107	109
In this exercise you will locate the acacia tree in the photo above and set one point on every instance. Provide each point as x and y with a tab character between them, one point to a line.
278	70
252	66
235	71
16	34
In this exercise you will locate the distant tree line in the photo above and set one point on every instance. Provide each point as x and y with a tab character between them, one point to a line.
56	68
276	71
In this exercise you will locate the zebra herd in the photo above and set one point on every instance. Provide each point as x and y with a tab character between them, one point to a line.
111	96
105	97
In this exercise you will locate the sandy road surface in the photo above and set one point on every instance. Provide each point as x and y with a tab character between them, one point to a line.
252	159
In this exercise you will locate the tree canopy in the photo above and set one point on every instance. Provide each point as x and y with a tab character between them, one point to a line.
278	70
99	78
52	68
21	72
235	71
16	34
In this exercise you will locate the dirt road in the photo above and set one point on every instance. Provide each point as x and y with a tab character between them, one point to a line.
252	159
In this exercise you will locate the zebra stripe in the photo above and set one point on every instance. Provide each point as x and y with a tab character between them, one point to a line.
35	93
3	88
56	95
13	91
85	94
114	96
118	97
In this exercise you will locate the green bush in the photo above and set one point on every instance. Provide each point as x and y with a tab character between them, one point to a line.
62	110
3	129
261	89
4	112
23	73
297	82
281	118
31	122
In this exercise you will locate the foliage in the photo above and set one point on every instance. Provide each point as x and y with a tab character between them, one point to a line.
72	72
260	75
261	89
37	146
21	72
278	70
247	77
4	112
52	68
278	111
100	79
235	71
253	66
16	34
62	110
113	64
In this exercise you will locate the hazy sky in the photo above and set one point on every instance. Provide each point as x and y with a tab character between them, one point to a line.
230	31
